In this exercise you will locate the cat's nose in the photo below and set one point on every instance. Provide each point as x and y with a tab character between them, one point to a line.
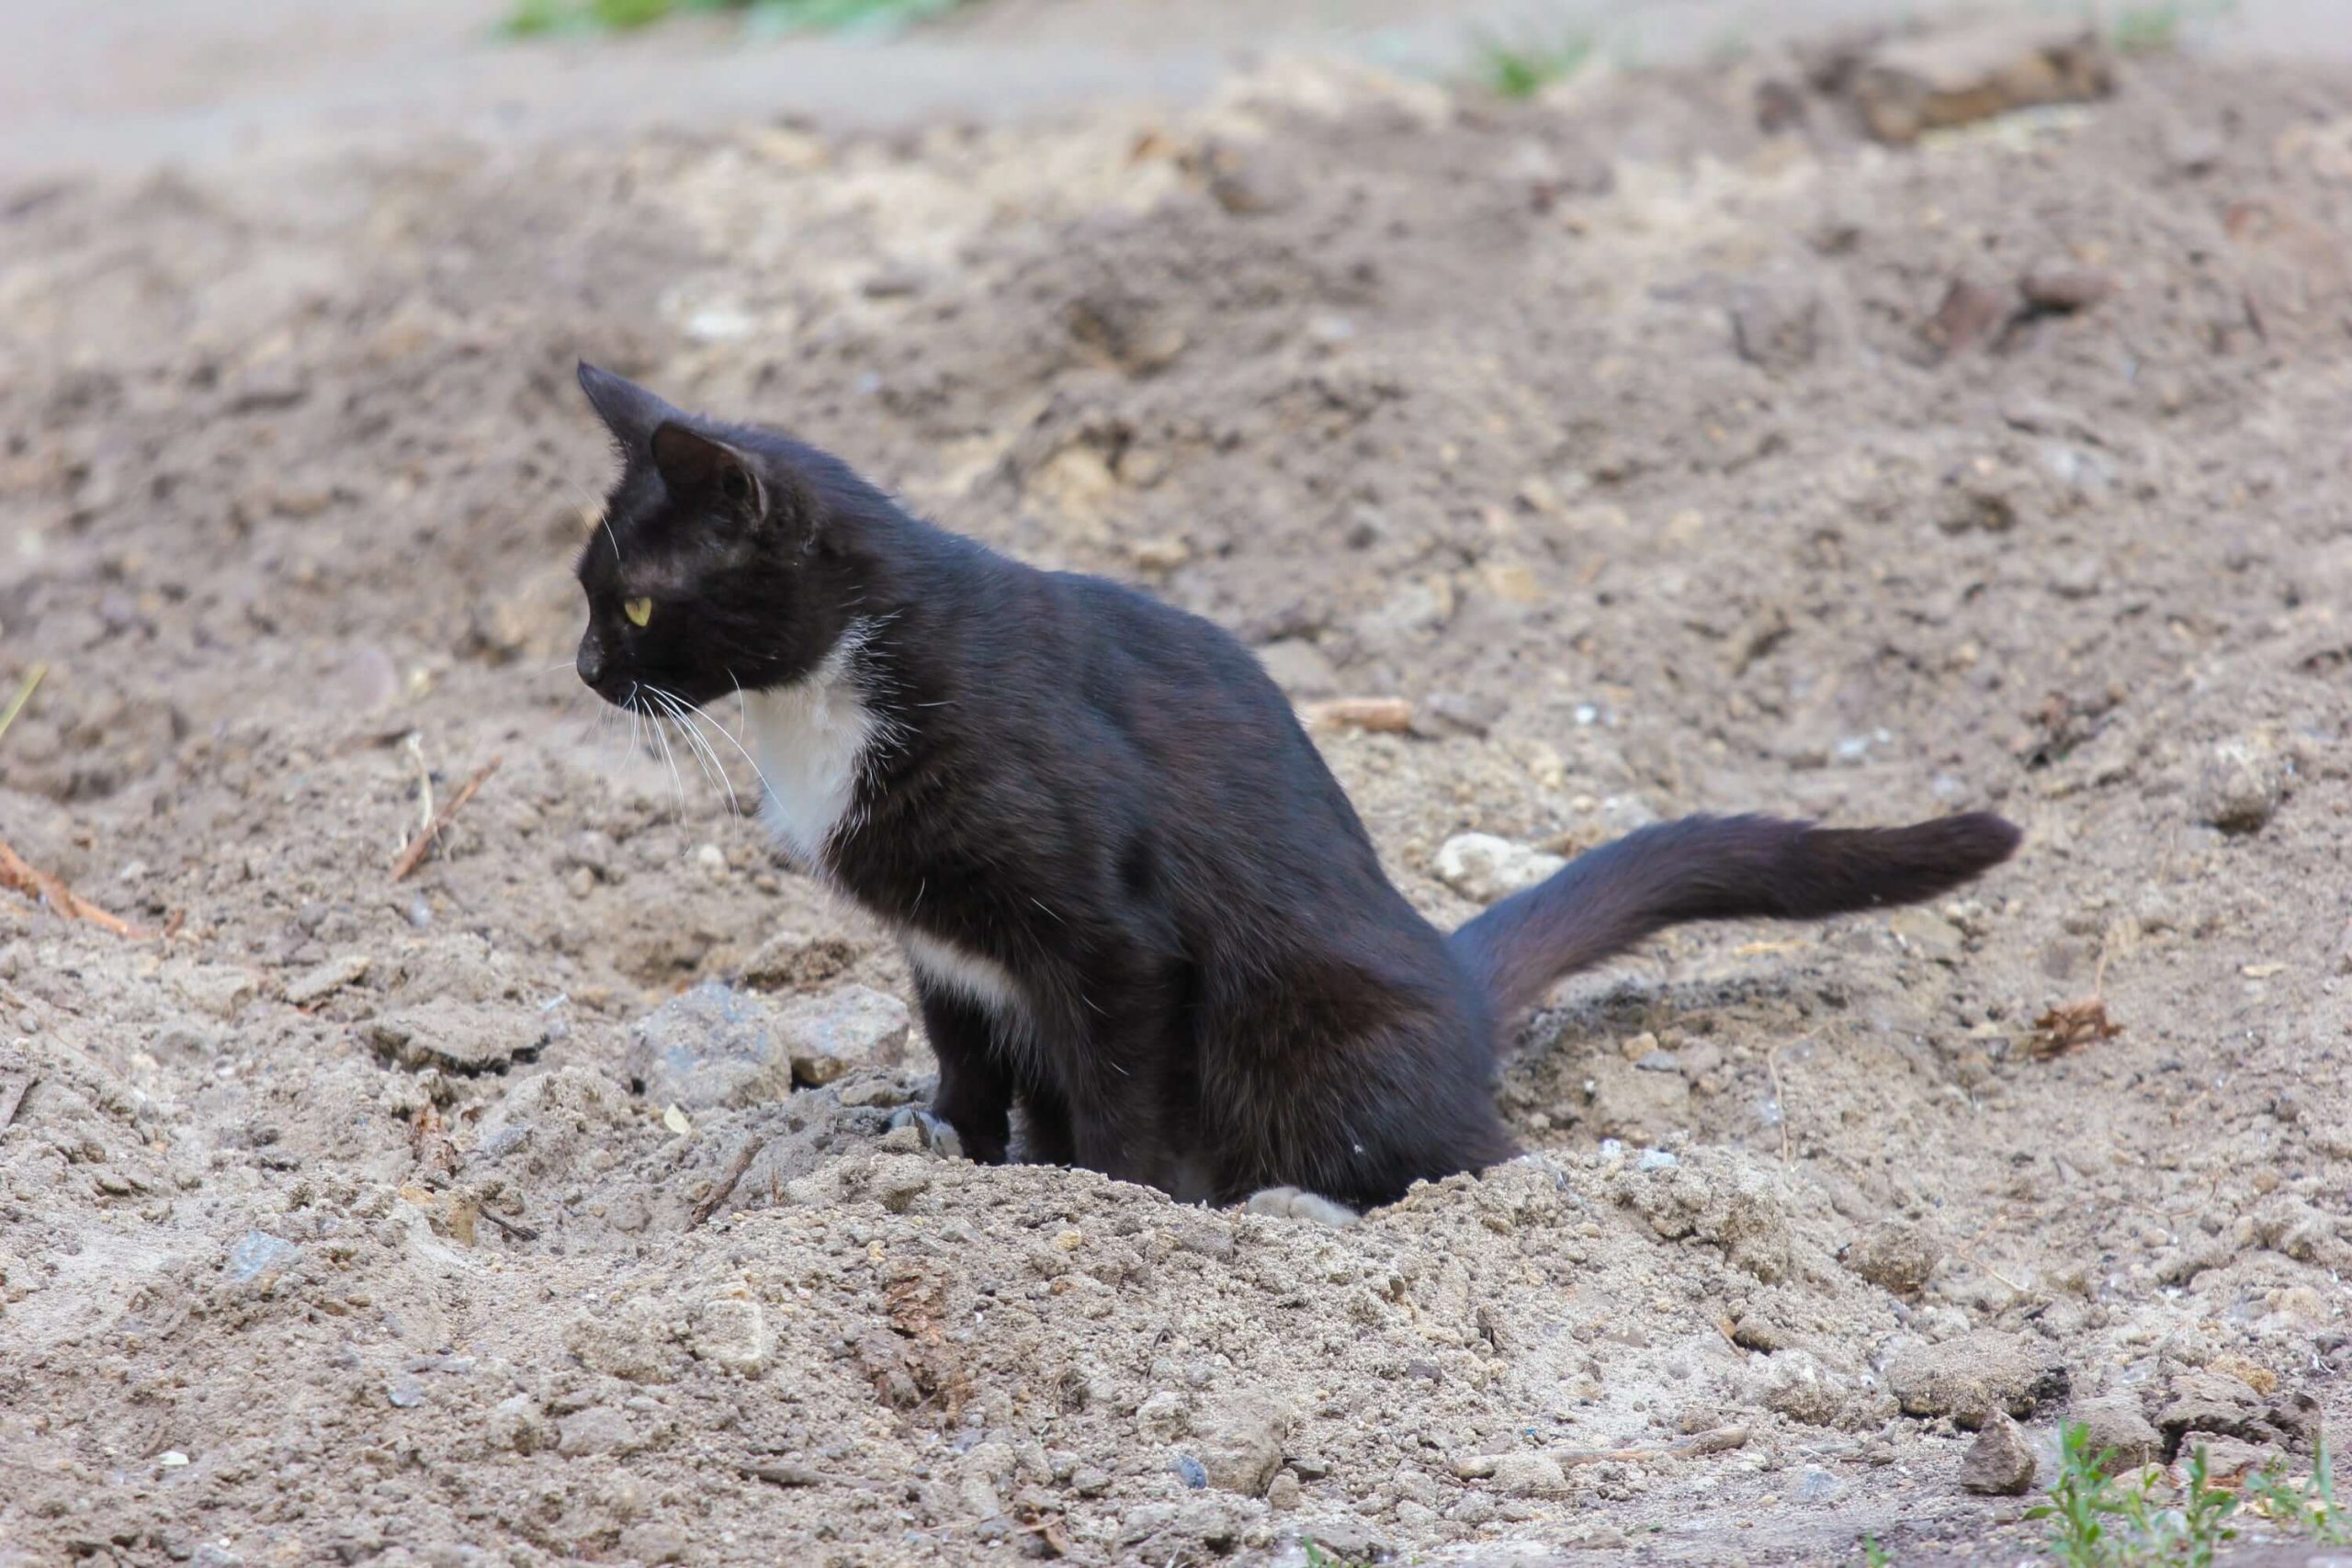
591	662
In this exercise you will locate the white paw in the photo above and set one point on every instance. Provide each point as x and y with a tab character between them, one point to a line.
1290	1203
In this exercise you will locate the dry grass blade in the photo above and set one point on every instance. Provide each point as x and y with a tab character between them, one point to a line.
413	855
17	874
24	694
718	1196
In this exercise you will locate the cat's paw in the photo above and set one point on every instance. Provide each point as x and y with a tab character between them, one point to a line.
1290	1202
937	1135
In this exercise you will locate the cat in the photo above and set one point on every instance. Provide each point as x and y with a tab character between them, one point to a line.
1134	900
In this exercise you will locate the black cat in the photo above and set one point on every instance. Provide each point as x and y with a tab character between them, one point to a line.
1133	899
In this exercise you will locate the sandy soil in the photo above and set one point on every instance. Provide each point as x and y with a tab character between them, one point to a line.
1644	452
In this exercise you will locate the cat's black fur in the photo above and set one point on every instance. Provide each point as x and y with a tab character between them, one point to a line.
1218	989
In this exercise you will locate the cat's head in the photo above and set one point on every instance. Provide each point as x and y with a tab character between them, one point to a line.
703	575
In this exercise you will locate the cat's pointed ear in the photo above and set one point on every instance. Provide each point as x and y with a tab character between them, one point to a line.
704	471
628	410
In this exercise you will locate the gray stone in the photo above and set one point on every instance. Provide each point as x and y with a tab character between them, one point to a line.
458	1036
1976	1375
258	1255
854	1027
1531	1476
1238	1439
1896	1255
2000	1463
313	986
793	960
2118	1426
710	1046
599	1429
2240	785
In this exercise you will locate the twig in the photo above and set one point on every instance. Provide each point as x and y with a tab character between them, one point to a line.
1780	1098
15	873
24	694
518	1231
725	1188
413	855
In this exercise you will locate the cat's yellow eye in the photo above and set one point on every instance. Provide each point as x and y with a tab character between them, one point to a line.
638	611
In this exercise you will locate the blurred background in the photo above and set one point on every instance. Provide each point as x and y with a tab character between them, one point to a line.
127	79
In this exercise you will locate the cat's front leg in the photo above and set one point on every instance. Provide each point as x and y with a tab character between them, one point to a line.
975	1094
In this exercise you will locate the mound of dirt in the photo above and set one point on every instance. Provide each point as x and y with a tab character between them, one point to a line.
1658	463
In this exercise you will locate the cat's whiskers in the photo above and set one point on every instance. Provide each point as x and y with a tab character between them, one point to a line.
662	738
720	730
704	753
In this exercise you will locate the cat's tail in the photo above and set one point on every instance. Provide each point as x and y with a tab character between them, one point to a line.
1714	868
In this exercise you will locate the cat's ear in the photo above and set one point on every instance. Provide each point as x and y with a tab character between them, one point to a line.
628	410
699	470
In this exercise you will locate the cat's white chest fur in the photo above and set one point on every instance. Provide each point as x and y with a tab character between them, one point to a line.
810	741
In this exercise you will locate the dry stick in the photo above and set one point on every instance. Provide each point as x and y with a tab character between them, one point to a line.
24	694
725	1188
15	873
414	854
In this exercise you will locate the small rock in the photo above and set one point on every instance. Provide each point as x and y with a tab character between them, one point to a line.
2000	1463
1928	933
1163	1417
2191	149
404	1392
854	1027
1976	1375
1484	869
794	960
1817	1486
1960	74
317	985
1970	314
1191	1471
1529	1475
457	1037
1776	327
517	1423
2228	1459
599	1429
1896	1256
1282	1493
710	1046
2240	785
899	1179
732	1332
218	990
2063	290
258	1255
1239	1441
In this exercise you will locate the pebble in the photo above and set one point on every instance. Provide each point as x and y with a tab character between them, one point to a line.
2240	785
599	1429
1191	1471
404	1392
2000	1463
1282	1493
1484	869
1896	1255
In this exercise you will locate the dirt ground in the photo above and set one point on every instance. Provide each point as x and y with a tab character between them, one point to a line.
1664	465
